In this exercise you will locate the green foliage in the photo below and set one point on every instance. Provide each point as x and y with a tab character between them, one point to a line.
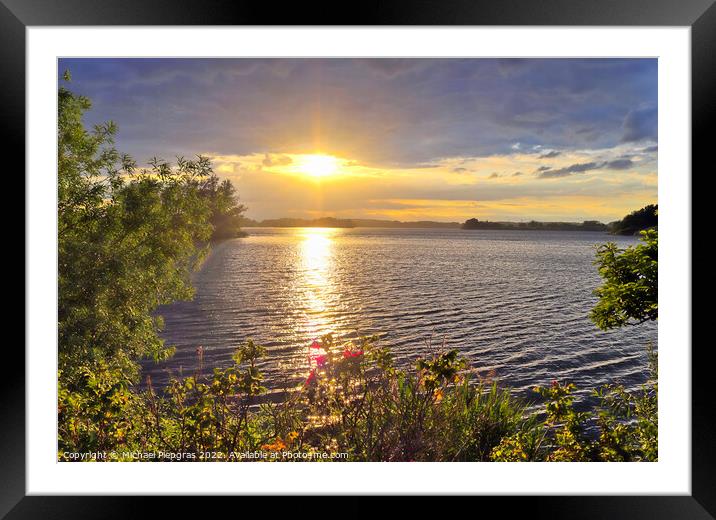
626	426
200	415
92	416
360	404
566	424
226	213
126	243
439	370
629	294
628	421
128	239
355	402
523	446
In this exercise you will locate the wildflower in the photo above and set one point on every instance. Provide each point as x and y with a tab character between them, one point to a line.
315	344
555	383
351	354
277	445
321	360
311	377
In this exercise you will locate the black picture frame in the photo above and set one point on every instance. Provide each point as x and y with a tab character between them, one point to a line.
700	15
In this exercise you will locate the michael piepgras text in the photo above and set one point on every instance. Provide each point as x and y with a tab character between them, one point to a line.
178	456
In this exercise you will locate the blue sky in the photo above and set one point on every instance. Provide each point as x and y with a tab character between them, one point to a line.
508	139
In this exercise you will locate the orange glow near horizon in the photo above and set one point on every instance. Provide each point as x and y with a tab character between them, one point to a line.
500	187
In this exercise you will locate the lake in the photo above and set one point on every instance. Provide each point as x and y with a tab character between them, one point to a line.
514	303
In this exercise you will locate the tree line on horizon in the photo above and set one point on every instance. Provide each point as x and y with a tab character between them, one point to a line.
631	224
587	225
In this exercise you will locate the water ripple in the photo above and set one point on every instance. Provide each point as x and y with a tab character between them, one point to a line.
515	303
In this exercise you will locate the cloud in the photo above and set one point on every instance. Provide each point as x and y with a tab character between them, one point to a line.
276	160
567	171
550	154
391	112
640	124
616	164
494	175
517	174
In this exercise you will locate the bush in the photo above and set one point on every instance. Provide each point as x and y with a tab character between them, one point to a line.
353	401
361	404
630	292
626	424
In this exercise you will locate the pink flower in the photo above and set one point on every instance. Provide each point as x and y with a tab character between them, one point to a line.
350	354
555	383
311	377
316	354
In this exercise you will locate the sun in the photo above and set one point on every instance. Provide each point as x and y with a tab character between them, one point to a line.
318	165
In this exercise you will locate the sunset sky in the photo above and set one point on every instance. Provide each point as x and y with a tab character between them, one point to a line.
404	139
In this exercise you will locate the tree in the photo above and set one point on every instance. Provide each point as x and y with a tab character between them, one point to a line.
644	218
128	239
471	223
226	213
629	294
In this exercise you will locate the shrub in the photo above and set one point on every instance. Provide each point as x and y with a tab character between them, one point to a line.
626	424
353	401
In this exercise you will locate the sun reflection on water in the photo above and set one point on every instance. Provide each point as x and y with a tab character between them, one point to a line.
316	254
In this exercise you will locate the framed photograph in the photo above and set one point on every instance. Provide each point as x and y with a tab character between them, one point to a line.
419	245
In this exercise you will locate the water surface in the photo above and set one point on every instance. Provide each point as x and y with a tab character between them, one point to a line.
515	303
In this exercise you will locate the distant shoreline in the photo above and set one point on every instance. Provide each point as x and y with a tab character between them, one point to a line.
417	227
636	221
471	224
